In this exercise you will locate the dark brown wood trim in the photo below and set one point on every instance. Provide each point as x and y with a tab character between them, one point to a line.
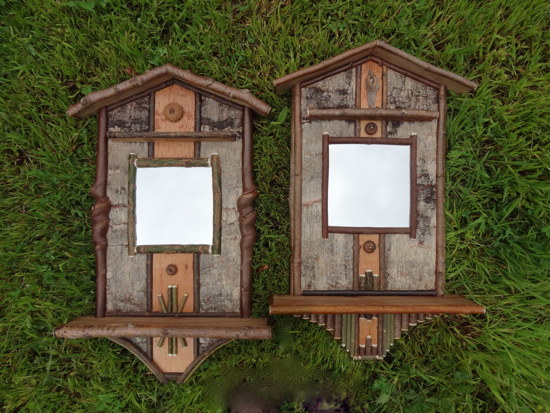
382	261
384	123
161	314
369	293
150	347
198	116
380	333
400	115
149	281
367	230
199	359
196	344
196	283
217	215
358	71
247	214
324	187
150	91
408	73
176	162
221	136
449	304
145	359
100	213
414	190
173	249
356	253
297	235
132	240
204	327
208	95
352	140
132	87
440	193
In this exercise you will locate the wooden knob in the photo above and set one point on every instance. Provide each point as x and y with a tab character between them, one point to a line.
369	247
173	112
171	269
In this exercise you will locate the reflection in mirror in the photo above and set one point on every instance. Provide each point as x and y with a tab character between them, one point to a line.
369	186
174	206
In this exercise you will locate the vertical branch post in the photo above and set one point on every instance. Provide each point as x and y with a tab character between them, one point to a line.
100	213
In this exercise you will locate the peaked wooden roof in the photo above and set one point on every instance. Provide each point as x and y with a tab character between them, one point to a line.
384	51
89	104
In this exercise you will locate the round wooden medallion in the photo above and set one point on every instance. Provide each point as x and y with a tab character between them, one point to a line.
173	112
171	269
369	247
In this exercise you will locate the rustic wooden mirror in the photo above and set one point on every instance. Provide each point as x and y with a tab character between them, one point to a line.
174	221
367	196
367	186
174	205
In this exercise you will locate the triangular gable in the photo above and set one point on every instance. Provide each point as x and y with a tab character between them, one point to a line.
89	104
384	51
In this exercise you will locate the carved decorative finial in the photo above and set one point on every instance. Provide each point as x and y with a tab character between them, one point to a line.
372	86
173	112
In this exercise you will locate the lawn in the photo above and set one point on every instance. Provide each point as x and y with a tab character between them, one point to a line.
497	202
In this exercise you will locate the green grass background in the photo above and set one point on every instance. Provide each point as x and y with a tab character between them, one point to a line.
52	53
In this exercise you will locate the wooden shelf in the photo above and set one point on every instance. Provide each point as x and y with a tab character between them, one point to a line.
449	304
203	327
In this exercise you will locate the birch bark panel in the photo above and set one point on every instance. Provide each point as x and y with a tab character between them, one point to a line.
326	264
173	364
410	263
126	276
131	117
220	274
141	342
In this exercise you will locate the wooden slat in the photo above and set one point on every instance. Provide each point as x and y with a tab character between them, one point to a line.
377	70
396	115
204	327
450	304
222	136
369	261
183	279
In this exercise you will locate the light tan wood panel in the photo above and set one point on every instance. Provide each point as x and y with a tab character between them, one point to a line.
368	328
369	261
377	71
185	98
177	363
183	279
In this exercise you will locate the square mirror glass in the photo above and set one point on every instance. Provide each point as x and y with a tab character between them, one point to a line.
369	185
174	206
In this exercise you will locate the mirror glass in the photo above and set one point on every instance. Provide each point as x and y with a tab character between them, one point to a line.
174	206
369	186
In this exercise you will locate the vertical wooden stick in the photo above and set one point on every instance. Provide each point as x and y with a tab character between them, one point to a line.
353	331
296	288
369	280
322	319
100	213
338	326
162	304
330	322
404	322
440	192
397	327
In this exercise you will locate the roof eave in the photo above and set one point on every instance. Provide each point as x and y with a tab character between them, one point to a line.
384	51
89	104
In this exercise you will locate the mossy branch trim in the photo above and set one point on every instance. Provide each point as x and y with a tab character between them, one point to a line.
132	241
167	162
217	189
173	249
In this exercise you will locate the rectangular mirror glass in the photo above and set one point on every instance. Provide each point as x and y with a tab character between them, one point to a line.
174	206
369	185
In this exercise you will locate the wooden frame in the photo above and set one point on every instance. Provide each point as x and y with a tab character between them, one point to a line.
326	229
134	163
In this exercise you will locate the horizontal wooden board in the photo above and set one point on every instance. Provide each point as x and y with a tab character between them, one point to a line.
449	304
206	327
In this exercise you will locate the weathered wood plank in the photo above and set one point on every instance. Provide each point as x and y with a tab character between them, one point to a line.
410	263
326	264
220	274
126	276
449	304
131	117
